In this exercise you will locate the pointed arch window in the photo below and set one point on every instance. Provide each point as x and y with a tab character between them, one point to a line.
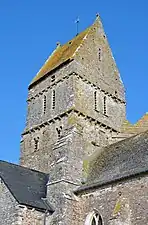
94	218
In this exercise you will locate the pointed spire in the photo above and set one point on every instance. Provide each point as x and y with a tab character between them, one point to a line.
98	21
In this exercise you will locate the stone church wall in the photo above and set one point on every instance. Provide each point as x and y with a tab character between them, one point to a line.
123	203
8	206
11	213
30	217
61	82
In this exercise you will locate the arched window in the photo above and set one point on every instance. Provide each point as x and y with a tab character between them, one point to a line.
94	218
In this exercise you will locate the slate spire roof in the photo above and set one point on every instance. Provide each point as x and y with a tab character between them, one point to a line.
26	185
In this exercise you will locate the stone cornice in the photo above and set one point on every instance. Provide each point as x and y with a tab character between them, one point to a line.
65	114
53	84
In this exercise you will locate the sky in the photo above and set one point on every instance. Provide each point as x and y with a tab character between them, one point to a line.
29	31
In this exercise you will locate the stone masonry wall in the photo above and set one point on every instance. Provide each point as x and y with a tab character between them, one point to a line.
52	146
30	217
62	84
96	63
57	139
97	71
89	99
11	213
8	206
123	203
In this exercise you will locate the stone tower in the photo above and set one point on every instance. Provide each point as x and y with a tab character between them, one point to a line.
76	104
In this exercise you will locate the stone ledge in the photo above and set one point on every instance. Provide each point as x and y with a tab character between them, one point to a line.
114	97
59	117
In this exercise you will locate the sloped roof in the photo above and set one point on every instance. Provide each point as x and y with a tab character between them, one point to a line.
140	126
118	161
143	122
26	185
127	127
60	55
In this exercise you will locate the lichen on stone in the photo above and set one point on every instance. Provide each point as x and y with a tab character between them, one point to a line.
85	167
117	208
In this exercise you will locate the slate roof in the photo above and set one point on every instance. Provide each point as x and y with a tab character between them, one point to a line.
26	185
118	161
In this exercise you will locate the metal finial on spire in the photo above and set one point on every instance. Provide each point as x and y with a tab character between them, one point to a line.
97	15
58	44
77	21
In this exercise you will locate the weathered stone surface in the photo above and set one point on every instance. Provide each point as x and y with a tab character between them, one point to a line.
75	110
121	203
8	206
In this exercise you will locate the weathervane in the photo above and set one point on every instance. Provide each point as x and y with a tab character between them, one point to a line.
77	21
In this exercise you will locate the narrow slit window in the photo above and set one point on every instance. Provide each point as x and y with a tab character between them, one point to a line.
99	54
53	99
44	104
104	109
95	99
36	143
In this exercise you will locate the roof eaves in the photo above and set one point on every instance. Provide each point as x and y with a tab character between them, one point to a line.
47	207
102	183
50	72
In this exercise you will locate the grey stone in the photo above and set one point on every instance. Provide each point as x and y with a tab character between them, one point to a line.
78	112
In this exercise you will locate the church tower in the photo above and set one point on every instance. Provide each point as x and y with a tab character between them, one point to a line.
76	104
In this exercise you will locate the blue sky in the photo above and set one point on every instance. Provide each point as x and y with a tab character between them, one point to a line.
29	31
